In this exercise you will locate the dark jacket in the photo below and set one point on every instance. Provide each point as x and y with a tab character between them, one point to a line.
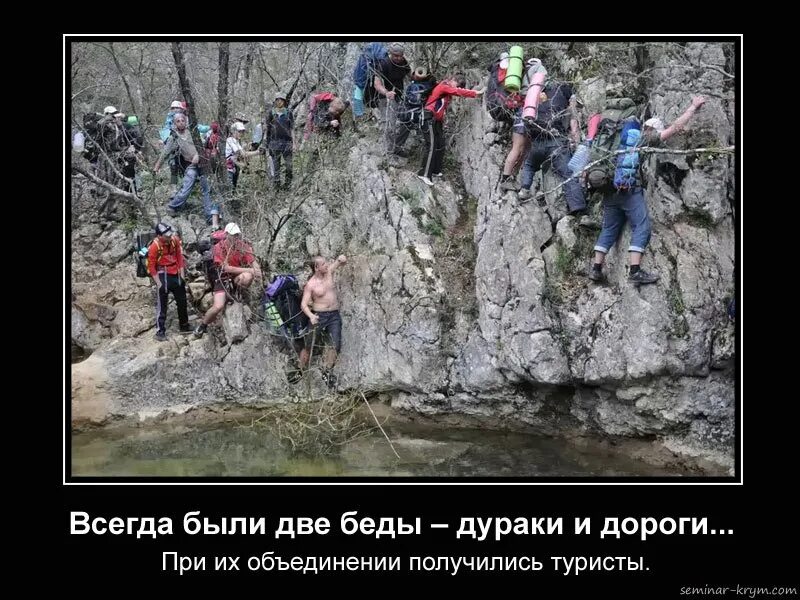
279	129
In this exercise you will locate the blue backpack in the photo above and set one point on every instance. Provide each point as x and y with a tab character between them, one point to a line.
628	163
414	98
364	73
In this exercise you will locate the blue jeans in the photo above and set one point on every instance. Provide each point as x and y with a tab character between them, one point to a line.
557	152
618	206
189	179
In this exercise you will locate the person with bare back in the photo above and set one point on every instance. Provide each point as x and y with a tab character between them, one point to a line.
321	304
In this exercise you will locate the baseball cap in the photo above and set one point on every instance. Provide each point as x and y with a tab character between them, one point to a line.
232	229
655	123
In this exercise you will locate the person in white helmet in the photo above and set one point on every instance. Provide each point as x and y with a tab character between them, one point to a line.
235	266
628	204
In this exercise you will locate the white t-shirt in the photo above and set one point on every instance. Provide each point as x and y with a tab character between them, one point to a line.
232	146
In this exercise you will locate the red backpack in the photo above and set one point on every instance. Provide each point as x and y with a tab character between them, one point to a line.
212	143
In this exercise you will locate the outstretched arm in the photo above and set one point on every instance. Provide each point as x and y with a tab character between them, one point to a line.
681	121
340	260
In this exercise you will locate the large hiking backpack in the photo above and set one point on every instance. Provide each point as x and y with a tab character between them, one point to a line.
206	250
414	98
142	243
364	73
211	144
500	103
90	124
618	114
282	307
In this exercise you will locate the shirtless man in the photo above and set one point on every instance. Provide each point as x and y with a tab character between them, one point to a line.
319	295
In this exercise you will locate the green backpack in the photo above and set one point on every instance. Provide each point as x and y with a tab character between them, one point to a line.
606	142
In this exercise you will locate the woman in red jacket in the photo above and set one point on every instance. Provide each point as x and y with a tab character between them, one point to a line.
433	128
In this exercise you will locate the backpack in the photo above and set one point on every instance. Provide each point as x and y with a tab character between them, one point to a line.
414	98
90	123
618	114
142	243
321	119
206	250
500	103
364	73
212	144
628	163
282	307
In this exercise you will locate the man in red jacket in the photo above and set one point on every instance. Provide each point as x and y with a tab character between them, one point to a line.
433	128
165	265
235	266
324	114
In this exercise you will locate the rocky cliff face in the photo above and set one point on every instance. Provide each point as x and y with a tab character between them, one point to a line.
458	298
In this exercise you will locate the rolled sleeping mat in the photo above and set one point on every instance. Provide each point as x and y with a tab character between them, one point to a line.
594	123
503	68
420	73
534	89
513	80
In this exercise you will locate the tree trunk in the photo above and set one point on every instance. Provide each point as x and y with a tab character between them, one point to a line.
248	62
222	85
222	101
186	90
124	79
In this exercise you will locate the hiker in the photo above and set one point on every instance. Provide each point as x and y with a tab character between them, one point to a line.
520	136
411	113
321	305
166	267
180	143
235	266
280	144
622	204
324	114
388	82
129	157
433	128
550	134
364	95
174	108
211	147
235	154
109	135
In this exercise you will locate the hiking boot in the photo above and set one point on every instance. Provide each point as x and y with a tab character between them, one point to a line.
425	180
438	175
509	186
185	328
200	330
161	336
641	276
524	194
595	275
